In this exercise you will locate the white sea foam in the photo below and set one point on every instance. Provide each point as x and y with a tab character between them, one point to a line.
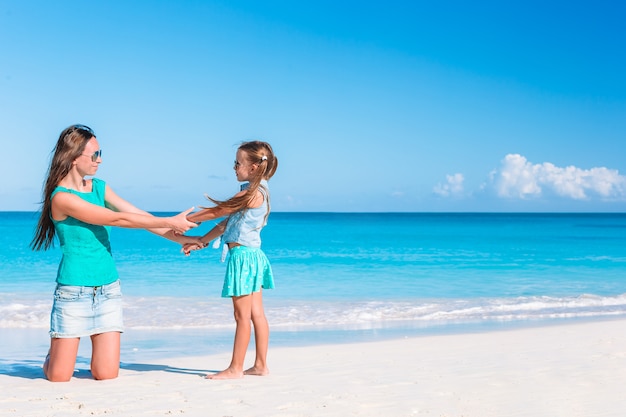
180	313
24	314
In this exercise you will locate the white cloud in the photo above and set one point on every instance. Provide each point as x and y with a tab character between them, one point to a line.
518	178
452	187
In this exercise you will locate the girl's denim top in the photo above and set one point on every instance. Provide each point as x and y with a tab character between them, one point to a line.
244	227
87	259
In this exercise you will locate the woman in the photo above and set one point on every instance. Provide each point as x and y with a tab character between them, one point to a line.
80	211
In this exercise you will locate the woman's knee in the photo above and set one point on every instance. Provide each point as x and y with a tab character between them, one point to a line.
102	373
54	374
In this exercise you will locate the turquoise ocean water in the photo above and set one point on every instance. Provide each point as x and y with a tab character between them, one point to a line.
344	277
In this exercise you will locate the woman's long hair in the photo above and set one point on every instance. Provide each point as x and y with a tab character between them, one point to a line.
261	154
70	146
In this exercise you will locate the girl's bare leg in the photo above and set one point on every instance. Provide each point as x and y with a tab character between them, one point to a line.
105	355
61	359
261	336
242	306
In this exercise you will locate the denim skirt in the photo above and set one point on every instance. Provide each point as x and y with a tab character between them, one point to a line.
85	311
247	271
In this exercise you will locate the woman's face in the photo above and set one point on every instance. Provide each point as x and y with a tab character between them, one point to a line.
87	163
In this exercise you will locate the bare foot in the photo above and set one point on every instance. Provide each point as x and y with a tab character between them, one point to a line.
257	371
226	374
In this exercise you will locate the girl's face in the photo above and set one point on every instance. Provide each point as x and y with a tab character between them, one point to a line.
243	168
87	163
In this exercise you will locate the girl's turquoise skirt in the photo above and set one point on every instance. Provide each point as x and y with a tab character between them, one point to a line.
247	271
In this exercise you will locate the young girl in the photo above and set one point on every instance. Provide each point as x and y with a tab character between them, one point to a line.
79	210
248	269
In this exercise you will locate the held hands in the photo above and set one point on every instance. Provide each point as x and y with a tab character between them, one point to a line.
191	246
197	243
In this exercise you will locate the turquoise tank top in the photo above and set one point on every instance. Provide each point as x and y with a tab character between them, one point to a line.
87	259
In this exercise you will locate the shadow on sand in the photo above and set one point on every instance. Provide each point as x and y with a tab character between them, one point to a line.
28	369
33	369
146	367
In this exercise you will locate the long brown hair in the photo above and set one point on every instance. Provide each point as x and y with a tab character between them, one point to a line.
70	145
261	154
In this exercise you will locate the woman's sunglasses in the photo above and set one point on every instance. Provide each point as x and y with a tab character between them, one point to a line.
94	157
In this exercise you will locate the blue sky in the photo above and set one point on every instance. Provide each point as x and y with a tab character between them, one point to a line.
370	106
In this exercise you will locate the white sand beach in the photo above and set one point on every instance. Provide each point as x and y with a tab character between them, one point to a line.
574	369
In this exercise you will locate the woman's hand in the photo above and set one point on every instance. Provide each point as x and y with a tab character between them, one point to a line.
180	224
